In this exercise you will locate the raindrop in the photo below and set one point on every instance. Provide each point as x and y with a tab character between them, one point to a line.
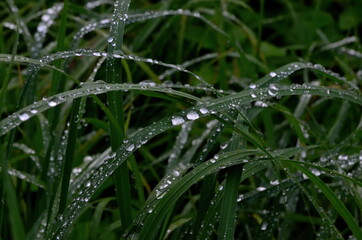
260	104
272	74
148	83
275	182
204	110
87	159
223	145
192	115
130	147
52	103
175	173
273	94
24	116
316	172
253	95
177	120
260	189
264	226
252	86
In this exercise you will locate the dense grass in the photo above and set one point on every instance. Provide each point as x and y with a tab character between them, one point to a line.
180	120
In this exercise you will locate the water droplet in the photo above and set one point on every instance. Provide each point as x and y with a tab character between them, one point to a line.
110	39
52	103
316	172
253	95
177	120
260	189
87	159
204	110
260	104
130	147
175	173
24	116
223	145
252	86
264	226
148	83
271	93
272	74
192	115
275	182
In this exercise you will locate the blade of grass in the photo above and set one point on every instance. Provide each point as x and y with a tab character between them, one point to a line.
228	206
115	104
69	154
335	201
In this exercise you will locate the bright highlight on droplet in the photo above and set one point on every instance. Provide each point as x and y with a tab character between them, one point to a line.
204	110
192	115
272	74
24	116
52	103
177	121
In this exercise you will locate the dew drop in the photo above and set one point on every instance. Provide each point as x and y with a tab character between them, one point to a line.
130	148
204	110
252	86
24	116
272	74
52	103
177	120
192	115
175	173
275	182
260	189
264	226
148	83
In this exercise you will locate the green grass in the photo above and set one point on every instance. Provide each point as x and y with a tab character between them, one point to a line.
180	120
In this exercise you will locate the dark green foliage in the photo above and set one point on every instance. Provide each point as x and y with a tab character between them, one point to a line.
180	120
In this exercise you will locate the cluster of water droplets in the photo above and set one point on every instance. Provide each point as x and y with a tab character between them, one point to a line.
47	20
191	115
93	4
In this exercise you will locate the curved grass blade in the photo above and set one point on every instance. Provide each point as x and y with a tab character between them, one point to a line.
228	208
335	201
115	104
219	104
154	129
286	70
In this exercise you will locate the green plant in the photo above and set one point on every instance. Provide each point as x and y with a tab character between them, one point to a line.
243	129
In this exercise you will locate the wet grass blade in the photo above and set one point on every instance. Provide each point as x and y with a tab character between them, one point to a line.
335	201
115	103
228	208
69	154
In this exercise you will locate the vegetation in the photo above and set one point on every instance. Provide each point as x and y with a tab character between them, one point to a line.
179	120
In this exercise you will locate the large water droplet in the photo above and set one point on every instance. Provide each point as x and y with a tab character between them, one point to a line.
192	115
52	103
272	74
252	86
204	110
24	116
130	147
177	120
